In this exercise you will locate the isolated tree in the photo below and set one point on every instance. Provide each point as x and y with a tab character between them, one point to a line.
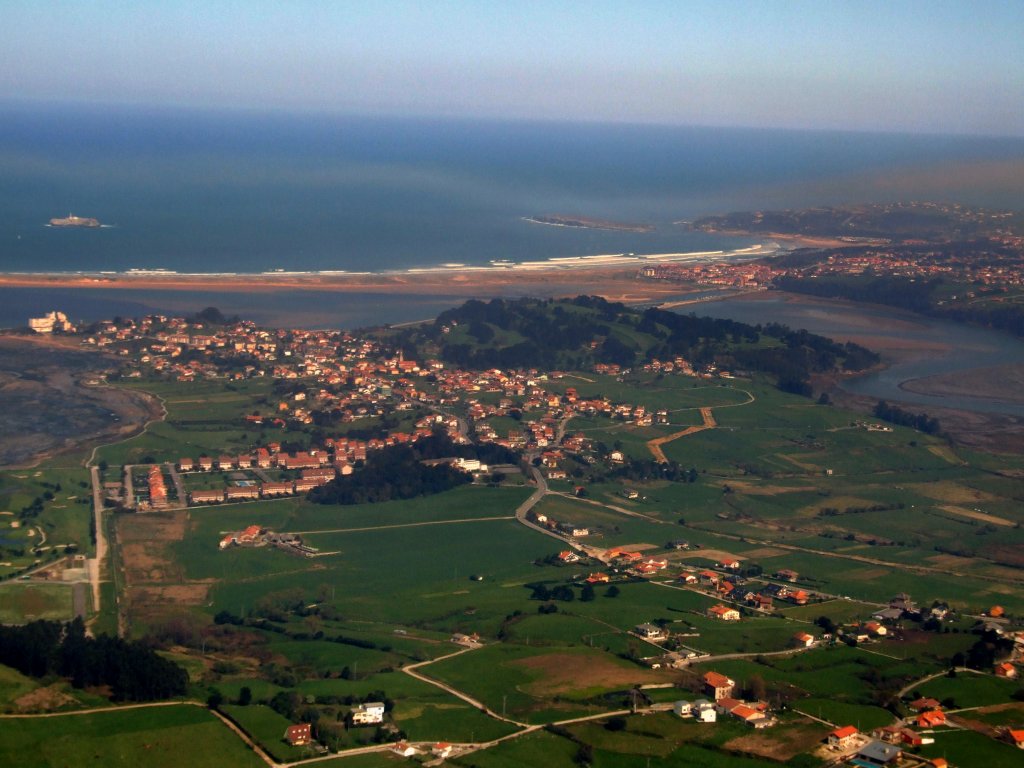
245	696
587	594
215	699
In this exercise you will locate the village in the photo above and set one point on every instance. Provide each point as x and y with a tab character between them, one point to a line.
322	384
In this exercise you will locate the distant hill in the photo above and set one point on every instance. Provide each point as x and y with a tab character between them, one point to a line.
575	334
893	221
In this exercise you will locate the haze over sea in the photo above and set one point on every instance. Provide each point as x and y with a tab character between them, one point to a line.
247	192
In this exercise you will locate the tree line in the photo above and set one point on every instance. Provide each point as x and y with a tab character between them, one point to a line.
896	415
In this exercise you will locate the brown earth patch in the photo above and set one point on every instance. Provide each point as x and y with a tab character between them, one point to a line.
712	554
795	461
636	547
868	574
43	699
764	489
1012	554
950	492
566	671
945	561
765	552
154	580
779	744
983	517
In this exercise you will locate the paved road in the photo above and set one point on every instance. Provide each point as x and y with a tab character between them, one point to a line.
407	525
530	503
129	489
95	564
412	671
179	485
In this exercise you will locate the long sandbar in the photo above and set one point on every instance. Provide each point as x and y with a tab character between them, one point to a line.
612	274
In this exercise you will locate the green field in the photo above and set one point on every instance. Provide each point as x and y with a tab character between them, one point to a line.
781	482
267	728
155	736
21	602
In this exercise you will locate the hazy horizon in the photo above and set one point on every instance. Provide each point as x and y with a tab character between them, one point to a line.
913	67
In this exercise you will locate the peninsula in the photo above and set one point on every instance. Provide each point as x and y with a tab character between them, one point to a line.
583	222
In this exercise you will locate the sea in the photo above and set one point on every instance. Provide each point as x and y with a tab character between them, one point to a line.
233	191
248	192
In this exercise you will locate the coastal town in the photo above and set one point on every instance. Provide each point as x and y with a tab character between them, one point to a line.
327	405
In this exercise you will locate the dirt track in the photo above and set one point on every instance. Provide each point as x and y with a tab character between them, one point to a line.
655	445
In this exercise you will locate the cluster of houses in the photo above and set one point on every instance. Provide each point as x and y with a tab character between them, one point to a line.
317	466
567	529
721	701
157	488
728	586
255	536
246	490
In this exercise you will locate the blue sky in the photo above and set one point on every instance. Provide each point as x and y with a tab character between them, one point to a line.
937	67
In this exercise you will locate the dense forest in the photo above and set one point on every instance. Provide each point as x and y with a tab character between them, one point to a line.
132	670
399	472
575	334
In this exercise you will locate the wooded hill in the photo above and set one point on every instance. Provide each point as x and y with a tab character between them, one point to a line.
575	334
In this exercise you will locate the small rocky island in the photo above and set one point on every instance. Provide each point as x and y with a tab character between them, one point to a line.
75	221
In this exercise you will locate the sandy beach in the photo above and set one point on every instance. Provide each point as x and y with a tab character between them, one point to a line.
613	276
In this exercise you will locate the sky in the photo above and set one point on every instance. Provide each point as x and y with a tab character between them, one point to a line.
907	66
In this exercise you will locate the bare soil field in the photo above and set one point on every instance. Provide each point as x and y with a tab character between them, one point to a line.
974	515
951	492
154	581
43	699
781	743
567	671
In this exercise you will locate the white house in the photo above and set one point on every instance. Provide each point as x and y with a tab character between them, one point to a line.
368	713
704	711
683	708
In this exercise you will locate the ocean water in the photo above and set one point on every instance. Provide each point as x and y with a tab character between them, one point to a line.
245	192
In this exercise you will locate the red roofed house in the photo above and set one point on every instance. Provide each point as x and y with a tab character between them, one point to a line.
911	738
803	640
931	718
922	704
441	749
723	612
298	735
746	713
568	556
1006	669
1016	738
708	577
717	685
842	738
